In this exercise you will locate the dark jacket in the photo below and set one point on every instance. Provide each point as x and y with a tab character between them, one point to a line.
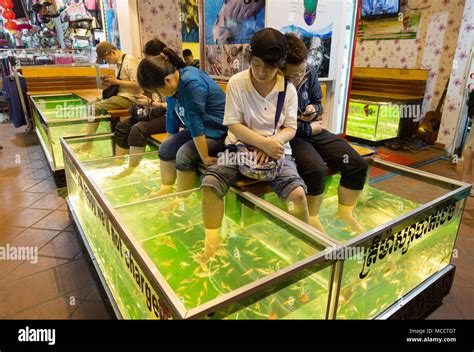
309	92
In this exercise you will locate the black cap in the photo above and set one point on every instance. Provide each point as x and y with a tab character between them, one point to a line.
269	45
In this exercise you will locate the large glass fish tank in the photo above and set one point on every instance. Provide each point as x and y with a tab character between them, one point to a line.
63	115
148	248
373	121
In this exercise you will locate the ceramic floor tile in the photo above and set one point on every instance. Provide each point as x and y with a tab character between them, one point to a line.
33	238
464	300
24	199
87	310
26	217
28	292
44	186
51	201
65	245
57	220
57	308
8	233
74	276
28	268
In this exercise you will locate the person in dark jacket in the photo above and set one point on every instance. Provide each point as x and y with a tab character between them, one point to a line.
314	147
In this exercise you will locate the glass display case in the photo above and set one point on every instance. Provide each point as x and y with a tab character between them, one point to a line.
270	265
372	121
63	115
147	248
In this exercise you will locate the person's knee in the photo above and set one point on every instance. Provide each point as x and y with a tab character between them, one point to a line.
297	197
136	137
361	165
314	180
187	158
121	135
355	175
212	187
166	151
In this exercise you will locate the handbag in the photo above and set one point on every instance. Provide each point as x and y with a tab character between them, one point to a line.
145	113
266	171
113	90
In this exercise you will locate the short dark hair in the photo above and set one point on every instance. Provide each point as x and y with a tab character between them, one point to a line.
279	64
297	50
187	52
154	47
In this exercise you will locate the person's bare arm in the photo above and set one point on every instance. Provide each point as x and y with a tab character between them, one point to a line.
203	150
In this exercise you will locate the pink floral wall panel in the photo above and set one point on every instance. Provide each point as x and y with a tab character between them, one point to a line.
454	99
432	50
160	19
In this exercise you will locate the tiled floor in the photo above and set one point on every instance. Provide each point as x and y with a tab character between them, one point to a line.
61	286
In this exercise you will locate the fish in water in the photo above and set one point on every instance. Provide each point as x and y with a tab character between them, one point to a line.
273	316
304	298
248	272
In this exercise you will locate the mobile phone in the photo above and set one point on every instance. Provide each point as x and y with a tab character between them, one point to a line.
308	113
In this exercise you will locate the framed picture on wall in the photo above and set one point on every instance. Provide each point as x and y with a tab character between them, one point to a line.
315	22
226	30
111	22
189	21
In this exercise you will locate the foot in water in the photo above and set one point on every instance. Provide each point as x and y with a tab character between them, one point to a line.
345	214
211	245
165	190
124	173
316	222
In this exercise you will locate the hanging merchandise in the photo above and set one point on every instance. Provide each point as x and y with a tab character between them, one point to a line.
8	15
45	11
14	90
77	15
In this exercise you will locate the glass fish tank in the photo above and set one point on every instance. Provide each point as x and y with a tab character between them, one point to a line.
269	265
373	121
408	236
149	248
64	115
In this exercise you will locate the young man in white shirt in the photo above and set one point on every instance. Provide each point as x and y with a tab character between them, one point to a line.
250	115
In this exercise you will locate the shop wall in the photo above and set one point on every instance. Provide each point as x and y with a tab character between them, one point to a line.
454	99
160	18
433	49
127	16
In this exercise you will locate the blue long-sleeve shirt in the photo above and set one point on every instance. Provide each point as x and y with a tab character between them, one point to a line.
199	106
309	93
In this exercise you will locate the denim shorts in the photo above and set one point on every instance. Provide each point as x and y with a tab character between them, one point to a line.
221	177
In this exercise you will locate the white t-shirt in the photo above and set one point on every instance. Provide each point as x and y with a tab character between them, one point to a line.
246	106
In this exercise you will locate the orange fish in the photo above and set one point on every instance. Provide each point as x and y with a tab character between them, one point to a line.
304	298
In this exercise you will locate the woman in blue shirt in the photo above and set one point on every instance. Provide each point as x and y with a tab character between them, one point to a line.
193	120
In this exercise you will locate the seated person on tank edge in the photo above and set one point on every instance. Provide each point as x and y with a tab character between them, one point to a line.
147	117
314	146
125	79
